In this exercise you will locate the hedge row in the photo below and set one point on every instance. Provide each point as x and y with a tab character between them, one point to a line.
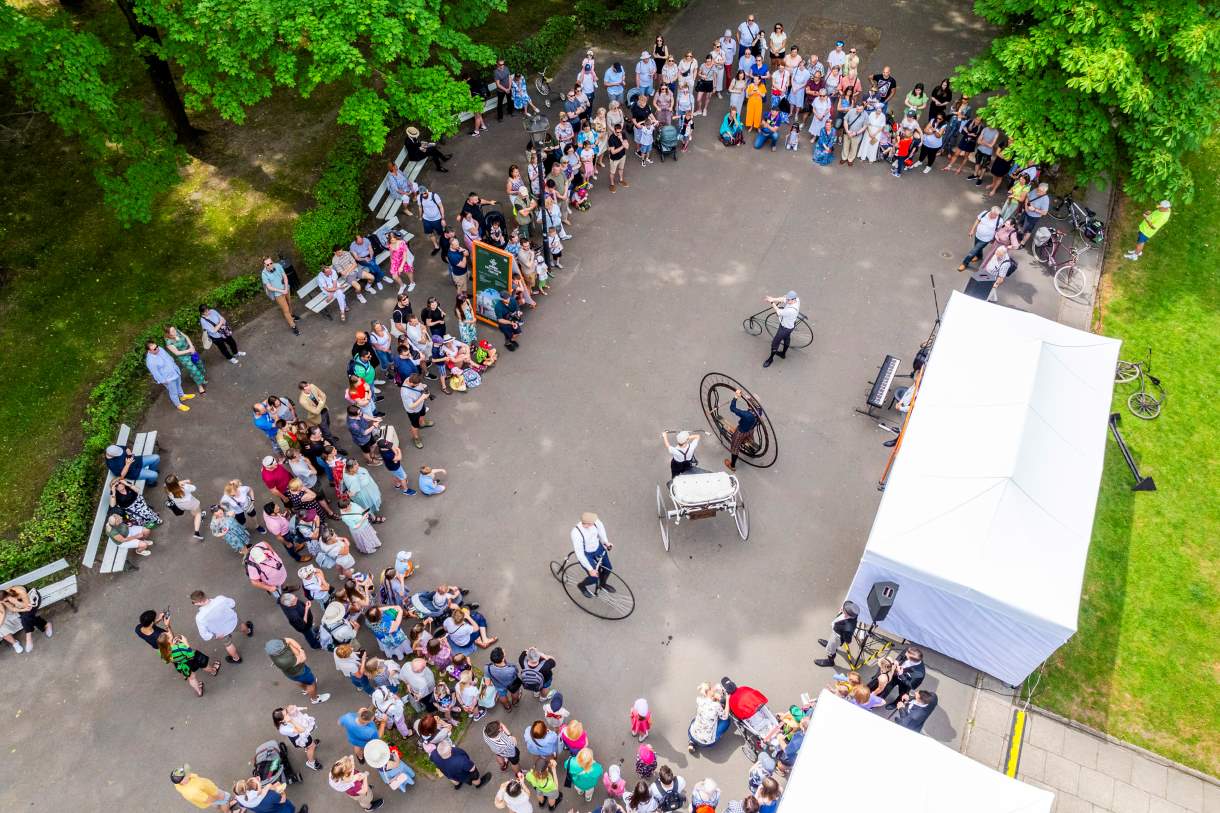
537	53
338	208
63	517
633	16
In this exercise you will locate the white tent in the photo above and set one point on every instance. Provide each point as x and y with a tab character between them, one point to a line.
988	510
852	758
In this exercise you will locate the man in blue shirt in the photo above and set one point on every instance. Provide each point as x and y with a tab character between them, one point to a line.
645	70
747	419
264	421
364	433
459	261
615	80
275	285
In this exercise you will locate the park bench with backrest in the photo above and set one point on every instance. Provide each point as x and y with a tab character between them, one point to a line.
114	558
316	300
63	589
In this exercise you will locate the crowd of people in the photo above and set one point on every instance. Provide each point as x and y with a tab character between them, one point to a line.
412	655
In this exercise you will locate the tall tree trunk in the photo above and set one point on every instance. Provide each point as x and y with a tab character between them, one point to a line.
74	6
162	77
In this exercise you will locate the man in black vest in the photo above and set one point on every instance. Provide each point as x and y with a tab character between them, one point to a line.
910	674
842	629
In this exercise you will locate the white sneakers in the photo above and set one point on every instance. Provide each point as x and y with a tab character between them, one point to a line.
322	698
1131	255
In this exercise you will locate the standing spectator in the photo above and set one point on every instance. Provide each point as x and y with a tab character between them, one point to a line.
216	329
275	285
389	765
238	502
458	258
586	78
1150	224
1036	206
513	797
313	404
615	82
402	261
538	669
504	91
217	618
544	780
181	494
669	791
388	710
505	677
197	790
854	123
749	37
276	476
353	783
360	728
841	631
421	683
645	73
363	430
705	794
254	796
541	741
641	719
584	771
432	215
152	624
457	766
186	660
265	569
165	372
884	87
728	47
983	231
299	613
293	723
182	349
616	150
503	745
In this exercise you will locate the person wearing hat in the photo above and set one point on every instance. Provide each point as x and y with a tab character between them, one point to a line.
338	629
420	150
432	215
592	550
265	569
645	73
386	760
197	790
837	56
787	308
276	476
1150	224
682	455
841	631
121	463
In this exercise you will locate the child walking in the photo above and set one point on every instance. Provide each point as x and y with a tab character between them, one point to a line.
641	719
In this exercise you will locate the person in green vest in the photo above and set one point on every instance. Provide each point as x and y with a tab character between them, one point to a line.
1149	226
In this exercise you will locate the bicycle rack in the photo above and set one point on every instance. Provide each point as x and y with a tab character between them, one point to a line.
1142	483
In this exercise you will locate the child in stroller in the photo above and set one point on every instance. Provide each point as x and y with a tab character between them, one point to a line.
668	141
272	766
751	717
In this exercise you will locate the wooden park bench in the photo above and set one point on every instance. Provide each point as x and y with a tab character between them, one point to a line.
114	558
316	300
62	590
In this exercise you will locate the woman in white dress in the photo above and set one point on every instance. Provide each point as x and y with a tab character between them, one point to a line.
872	135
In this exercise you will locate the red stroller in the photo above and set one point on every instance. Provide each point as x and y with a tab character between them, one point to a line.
751	718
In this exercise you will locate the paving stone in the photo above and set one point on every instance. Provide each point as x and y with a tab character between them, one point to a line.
1045	733
1080	747
1129	799
1185	791
1061	774
993	714
1096	787
1149	776
1115	761
1158	805
986	747
1033	763
1067	803
1211	798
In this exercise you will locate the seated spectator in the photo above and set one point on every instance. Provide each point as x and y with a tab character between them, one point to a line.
731	130
129	537
345	266
431	481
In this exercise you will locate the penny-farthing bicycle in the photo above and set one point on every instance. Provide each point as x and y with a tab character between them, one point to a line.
611	605
715	394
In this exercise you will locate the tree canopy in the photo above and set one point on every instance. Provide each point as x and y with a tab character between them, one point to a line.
397	59
1102	85
69	76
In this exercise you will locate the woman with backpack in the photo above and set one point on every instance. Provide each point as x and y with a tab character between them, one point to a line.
669	791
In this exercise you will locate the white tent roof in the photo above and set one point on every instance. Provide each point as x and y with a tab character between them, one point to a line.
988	510
837	768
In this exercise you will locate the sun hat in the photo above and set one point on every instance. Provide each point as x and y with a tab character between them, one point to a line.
335	611
376	753
306	571
402	562
268	461
641	707
588	516
447	338
644	55
413	132
275	646
1165	205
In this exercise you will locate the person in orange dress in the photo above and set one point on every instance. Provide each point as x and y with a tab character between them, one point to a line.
756	91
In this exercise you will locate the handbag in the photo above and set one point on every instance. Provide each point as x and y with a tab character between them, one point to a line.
173	506
567	773
207	341
195	357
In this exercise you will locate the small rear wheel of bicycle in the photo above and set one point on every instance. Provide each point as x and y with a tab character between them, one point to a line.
557	570
1126	372
752	326
1070	281
1143	405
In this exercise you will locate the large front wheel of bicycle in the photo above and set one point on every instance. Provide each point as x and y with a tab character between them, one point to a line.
606	604
1143	405
1070	281
802	332
752	326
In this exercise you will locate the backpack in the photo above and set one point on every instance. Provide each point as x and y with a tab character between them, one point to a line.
532	679
672	799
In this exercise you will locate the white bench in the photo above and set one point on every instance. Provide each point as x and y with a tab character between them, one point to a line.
114	558
103	506
316	300
488	105
62	590
387	205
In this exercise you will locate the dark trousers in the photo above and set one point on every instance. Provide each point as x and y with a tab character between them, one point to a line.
227	346
976	253
783	338
601	558
324	425
503	100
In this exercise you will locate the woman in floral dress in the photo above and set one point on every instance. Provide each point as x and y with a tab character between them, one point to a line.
183	350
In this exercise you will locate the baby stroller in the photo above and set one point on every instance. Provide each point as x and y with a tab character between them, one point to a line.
271	764
497	228
756	723
667	142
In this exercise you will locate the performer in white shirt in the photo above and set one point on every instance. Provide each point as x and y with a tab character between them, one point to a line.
592	550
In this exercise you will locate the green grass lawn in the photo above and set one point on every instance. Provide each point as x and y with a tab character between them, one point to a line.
1143	665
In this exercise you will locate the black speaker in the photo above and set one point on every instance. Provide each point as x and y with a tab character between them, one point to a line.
881	599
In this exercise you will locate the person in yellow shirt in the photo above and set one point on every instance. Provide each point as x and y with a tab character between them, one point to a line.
1149	226
197	790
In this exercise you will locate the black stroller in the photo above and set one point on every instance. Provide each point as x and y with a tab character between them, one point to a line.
271	764
497	228
667	142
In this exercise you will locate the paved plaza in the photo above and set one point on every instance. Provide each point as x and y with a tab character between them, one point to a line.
656	284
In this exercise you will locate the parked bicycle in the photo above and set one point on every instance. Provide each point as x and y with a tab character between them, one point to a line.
542	84
767	319
1143	403
1084	220
1070	279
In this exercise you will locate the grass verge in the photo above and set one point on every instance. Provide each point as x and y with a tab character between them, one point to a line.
1143	664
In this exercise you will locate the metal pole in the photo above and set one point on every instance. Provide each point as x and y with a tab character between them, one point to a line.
546	247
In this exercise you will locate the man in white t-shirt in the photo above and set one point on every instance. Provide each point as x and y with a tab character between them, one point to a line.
788	309
837	57
217	618
983	231
749	37
432	213
592	550
681	453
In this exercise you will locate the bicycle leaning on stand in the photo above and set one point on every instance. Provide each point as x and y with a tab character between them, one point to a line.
1070	279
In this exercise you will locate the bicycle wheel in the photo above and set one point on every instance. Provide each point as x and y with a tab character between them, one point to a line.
1060	209
802	334
1143	405
1126	372
662	519
611	606
741	515
761	449
752	326
1070	281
